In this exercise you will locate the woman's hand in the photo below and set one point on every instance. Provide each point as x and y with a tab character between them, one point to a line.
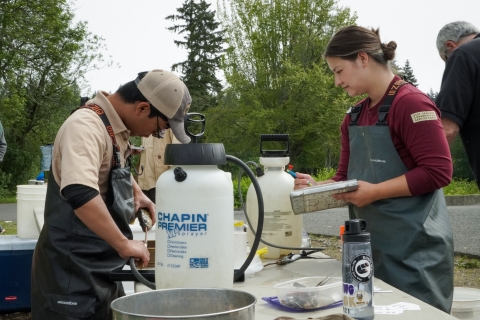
303	180
363	196
369	192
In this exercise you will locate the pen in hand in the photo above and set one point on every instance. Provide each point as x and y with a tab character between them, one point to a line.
294	175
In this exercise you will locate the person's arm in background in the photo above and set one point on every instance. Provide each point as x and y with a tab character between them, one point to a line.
457	92
451	129
3	143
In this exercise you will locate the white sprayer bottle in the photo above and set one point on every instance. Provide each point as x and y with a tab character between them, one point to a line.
281	226
194	236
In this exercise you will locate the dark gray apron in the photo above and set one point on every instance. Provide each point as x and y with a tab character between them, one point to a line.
71	264
412	242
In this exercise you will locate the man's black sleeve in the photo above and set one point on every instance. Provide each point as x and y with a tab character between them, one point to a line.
457	92
78	194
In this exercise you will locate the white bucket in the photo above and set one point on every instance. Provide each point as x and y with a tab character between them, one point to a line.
466	303
29	197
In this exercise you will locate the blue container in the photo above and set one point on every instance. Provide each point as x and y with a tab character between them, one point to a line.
15	267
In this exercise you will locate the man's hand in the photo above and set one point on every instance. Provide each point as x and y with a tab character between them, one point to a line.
142	201
94	214
136	152
137	250
451	129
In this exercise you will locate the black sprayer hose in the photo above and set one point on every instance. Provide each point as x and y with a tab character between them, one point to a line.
238	273
139	277
250	225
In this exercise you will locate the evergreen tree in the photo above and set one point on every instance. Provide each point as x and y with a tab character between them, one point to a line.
432	95
203	41
395	68
408	74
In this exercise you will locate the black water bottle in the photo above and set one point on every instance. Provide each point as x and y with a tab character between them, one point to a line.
357	271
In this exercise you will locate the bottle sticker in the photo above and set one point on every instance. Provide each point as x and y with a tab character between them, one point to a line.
354	298
361	268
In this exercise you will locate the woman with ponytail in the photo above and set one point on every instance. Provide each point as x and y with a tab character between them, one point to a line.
394	145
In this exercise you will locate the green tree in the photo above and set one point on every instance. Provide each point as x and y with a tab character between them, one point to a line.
203	41
461	167
433	95
278	81
43	57
395	68
407	74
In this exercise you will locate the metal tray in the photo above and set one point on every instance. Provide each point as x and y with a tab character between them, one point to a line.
318	198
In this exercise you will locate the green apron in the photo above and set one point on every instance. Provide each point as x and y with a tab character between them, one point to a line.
412	242
71	264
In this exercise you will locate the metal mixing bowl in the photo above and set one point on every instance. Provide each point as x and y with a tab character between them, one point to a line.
186	303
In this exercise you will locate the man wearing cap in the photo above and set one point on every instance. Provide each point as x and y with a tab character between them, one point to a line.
92	198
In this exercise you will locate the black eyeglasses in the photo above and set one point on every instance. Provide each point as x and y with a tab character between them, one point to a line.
160	133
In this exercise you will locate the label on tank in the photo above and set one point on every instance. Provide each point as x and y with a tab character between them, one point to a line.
184	224
277	221
198	263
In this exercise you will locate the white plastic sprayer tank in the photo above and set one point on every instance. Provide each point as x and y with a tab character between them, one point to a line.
194	236
281	226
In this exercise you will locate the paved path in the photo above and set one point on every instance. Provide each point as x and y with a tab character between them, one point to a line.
8	212
465	222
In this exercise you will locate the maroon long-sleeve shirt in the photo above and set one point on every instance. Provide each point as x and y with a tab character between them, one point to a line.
417	134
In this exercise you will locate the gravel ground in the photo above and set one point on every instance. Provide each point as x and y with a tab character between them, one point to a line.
466	273
467	270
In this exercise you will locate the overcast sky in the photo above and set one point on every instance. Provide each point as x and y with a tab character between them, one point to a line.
137	40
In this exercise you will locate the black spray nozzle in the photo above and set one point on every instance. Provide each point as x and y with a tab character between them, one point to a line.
180	174
356	226
259	172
